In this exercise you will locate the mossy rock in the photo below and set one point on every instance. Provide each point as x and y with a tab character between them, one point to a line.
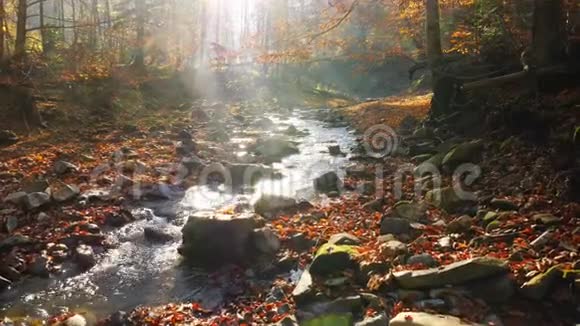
410	210
465	153
540	285
546	219
435	162
332	259
330	320
421	158
445	198
489	217
493	226
424	132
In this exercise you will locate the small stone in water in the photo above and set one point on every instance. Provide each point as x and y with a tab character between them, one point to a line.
85	256
334	150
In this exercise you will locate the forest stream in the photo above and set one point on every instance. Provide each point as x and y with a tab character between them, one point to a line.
136	272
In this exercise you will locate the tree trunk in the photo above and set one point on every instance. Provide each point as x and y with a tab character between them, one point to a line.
548	32
62	22
2	13
42	29
218	26
20	43
203	33
95	20
74	22
443	87
109	24
434	52
140	9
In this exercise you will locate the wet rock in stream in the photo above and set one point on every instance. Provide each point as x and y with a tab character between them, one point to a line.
214	239
156	234
327	183
85	256
268	205
273	149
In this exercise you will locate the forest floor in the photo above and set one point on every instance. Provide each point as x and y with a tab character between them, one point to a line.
521	219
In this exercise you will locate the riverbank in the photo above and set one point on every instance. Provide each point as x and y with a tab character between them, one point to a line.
505	254
381	241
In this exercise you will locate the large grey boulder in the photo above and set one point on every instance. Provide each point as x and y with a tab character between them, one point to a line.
453	274
268	205
213	239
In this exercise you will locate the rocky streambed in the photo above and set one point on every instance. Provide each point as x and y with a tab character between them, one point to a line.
295	220
135	260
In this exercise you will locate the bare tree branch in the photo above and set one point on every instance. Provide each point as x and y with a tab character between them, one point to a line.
337	23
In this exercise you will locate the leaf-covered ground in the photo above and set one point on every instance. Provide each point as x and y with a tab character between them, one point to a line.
514	169
510	239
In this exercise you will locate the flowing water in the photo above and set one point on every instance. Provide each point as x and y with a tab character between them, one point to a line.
137	272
